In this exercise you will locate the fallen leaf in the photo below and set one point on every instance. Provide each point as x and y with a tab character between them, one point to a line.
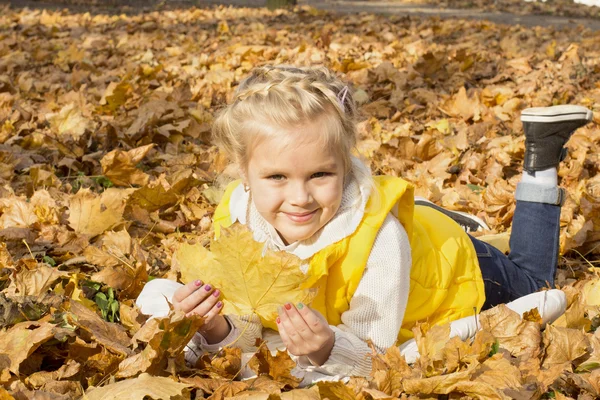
121	166
69	121
92	215
251	282
145	385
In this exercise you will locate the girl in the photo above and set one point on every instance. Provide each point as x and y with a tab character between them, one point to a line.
380	263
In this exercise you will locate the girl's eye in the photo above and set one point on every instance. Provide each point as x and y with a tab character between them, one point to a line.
276	177
320	174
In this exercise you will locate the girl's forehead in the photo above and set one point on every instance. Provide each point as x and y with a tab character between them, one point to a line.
283	138
309	146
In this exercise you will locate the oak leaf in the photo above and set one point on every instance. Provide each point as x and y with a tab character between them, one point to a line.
251	282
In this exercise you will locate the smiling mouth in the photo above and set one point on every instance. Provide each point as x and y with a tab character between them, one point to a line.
301	217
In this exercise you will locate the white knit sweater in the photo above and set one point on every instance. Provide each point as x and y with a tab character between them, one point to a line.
378	305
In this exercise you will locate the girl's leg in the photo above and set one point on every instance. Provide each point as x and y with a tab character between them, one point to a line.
532	261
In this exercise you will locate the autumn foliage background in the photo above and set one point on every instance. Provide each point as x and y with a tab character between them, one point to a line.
106	167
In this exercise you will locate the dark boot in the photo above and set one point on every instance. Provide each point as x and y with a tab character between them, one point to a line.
547	129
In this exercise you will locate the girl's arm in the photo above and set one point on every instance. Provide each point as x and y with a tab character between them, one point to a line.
377	307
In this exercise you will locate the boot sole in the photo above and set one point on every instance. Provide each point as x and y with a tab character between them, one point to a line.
556	114
463	219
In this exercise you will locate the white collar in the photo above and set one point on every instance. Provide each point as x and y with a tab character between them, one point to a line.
343	224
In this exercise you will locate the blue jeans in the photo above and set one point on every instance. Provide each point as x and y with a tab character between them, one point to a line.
533	256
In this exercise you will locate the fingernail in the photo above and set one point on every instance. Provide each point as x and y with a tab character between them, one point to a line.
300	306
220	304
288	306
198	282
216	293
278	320
208	288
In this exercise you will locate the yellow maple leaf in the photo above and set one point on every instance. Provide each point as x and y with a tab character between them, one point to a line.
251	282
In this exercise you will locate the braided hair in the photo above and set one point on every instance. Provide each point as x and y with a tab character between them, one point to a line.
287	96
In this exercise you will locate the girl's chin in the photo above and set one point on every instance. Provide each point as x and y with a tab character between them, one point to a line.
293	237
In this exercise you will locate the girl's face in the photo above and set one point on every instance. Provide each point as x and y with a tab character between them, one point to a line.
297	182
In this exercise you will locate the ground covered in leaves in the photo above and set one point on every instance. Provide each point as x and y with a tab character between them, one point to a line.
106	168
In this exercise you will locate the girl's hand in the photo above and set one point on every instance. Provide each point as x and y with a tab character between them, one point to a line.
197	298
305	332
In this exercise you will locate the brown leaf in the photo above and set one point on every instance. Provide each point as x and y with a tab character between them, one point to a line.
92	215
111	335
155	387
120	166
227	362
16	212
228	389
165	337
463	106
519	337
335	390
39	379
129	276
563	345
36	281
68	122
20	341
302	394
278	367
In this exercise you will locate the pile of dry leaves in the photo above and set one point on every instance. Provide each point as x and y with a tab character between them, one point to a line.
106	168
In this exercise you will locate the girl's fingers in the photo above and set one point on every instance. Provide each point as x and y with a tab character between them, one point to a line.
284	336
201	301
283	321
315	322
297	320
186	290
210	315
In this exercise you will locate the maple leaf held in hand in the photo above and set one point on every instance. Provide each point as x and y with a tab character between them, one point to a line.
251	282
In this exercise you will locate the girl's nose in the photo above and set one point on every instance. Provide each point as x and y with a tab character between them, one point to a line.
299	195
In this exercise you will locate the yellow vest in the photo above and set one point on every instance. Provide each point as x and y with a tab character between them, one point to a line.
445	279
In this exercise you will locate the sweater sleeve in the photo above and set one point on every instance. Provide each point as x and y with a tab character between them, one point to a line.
244	330
377	307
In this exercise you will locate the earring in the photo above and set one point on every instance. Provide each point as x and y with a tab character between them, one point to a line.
246	188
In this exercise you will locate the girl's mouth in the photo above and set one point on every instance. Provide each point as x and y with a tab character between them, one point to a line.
301	217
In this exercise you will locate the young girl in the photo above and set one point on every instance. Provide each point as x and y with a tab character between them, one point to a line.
380	263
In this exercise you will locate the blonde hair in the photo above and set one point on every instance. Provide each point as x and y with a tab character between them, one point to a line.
288	96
